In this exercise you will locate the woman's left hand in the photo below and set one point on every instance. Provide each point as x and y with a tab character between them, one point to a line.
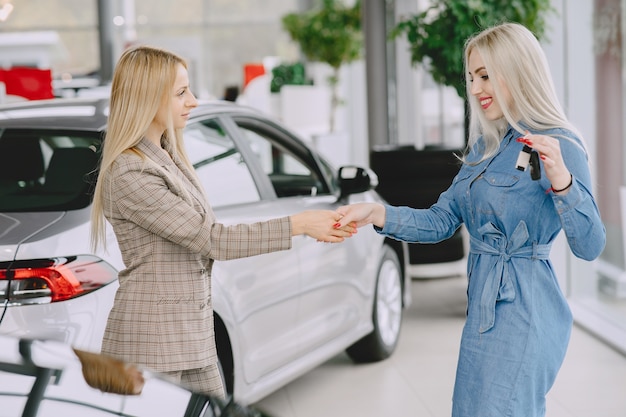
549	150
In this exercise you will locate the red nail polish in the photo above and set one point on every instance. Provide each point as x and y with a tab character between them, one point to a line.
543	157
336	225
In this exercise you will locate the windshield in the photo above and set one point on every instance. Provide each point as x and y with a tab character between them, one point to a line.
46	171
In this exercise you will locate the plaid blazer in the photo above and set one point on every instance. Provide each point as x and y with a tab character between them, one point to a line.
162	316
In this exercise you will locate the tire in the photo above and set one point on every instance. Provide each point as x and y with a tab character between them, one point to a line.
224	355
386	313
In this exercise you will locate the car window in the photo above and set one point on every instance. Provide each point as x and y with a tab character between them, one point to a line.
219	165
46	171
289	174
330	173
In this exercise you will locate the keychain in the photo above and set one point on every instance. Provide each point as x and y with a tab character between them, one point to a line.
526	157
535	168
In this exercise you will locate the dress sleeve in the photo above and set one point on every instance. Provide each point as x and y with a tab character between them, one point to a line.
146	197
579	214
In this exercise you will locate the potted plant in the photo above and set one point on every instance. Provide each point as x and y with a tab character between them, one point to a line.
330	33
436	38
437	35
288	74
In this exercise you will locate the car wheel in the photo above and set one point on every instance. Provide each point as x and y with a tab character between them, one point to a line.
386	316
225	355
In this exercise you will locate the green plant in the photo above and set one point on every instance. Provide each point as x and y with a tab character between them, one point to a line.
331	34
288	74
437	35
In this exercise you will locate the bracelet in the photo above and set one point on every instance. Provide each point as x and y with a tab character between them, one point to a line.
571	180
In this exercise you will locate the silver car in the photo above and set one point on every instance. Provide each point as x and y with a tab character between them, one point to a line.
277	315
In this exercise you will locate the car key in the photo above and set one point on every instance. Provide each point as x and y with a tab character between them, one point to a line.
535	168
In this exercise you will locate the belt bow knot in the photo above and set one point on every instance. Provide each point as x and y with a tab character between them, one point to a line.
498	285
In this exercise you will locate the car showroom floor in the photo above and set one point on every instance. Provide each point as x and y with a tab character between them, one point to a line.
417	380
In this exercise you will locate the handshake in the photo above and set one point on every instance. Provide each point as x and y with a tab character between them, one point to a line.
335	226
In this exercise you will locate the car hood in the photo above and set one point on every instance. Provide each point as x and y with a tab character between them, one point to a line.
17	228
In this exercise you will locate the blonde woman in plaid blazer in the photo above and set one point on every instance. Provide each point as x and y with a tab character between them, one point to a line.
162	316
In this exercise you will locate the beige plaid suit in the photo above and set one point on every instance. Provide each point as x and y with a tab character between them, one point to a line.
163	316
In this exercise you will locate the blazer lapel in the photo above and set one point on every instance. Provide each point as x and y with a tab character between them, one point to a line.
176	168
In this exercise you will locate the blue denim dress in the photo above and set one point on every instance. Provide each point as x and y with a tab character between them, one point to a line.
518	321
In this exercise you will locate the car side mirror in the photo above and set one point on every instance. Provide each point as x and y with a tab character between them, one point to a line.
354	179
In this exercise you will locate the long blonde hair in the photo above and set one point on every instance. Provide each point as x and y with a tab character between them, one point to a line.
142	81
512	55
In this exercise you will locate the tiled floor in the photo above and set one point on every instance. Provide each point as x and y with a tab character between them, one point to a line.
417	380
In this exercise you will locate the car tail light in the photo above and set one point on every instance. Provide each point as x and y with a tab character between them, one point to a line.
40	281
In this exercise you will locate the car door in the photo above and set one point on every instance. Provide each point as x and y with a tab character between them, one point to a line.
333	295
256	297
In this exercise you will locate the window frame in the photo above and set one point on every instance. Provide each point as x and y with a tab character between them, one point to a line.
285	140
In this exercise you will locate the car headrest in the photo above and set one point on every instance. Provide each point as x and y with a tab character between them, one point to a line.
21	158
70	169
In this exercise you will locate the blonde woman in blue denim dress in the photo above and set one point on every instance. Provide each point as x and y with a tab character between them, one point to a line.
518	321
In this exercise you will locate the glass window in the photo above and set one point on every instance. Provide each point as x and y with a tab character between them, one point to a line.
219	165
443	115
197	31
46	172
290	176
598	297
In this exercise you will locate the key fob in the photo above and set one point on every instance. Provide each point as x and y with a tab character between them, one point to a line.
535	168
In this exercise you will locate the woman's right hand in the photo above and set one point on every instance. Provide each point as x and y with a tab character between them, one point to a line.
362	214
321	225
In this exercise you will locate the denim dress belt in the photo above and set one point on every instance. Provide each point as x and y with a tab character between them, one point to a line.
497	285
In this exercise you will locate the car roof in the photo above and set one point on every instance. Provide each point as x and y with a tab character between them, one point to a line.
87	114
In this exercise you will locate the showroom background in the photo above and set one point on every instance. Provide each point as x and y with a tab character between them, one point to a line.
585	46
